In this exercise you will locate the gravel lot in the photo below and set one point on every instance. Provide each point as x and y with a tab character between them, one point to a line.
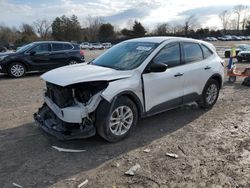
213	146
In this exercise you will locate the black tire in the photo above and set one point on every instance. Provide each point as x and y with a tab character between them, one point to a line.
232	79
17	70
73	62
239	59
103	115
204	102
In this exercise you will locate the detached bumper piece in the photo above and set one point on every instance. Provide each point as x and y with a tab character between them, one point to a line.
50	123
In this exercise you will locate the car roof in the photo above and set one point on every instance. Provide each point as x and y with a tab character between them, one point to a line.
162	39
61	42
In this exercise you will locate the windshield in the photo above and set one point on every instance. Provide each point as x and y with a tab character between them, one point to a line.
24	48
126	55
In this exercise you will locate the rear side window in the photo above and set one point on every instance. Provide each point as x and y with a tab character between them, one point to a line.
206	51
57	47
169	55
67	46
192	52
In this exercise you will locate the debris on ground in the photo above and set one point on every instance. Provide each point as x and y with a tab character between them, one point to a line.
71	179
68	150
172	155
83	183
115	165
16	185
147	150
131	171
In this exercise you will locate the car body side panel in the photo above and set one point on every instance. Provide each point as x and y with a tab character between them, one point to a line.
132	84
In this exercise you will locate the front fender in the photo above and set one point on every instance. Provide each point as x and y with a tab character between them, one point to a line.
132	84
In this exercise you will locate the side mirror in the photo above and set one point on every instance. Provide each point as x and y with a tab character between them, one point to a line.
32	52
157	67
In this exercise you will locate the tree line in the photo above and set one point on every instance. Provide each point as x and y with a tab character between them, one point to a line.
68	28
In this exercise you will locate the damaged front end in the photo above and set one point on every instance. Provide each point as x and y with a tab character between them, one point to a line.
69	112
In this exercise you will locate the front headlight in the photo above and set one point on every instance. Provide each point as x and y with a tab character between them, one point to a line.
2	57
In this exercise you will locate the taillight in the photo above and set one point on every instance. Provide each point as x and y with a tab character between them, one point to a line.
81	52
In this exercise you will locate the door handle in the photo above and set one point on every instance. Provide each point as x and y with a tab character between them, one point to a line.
207	68
178	74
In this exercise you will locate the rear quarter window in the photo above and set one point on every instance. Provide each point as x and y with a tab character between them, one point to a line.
206	51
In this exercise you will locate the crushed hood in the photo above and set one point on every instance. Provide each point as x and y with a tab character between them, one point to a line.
73	74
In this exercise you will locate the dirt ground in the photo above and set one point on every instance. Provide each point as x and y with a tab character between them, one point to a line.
213	146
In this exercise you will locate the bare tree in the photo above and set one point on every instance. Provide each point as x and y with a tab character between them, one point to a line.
94	24
162	29
190	24
43	28
224	17
239	10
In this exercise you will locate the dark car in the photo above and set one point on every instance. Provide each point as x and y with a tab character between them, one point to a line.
3	49
244	55
40	56
239	48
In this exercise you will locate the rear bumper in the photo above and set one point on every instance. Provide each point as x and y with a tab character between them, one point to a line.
47	120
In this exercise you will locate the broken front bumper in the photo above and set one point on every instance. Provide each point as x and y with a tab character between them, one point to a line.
49	122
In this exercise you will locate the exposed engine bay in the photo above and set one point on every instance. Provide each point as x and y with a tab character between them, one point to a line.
69	112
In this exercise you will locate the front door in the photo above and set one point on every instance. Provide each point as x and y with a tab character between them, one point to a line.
164	90
39	56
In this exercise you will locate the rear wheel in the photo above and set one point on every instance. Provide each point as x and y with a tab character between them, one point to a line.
232	79
210	94
17	70
118	123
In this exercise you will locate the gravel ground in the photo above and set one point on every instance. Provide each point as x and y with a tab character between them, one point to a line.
213	147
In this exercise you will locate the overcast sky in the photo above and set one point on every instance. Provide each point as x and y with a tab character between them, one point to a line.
118	12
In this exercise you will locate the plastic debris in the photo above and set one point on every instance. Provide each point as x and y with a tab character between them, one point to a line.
131	171
71	179
83	183
172	155
16	185
147	150
68	150
115	165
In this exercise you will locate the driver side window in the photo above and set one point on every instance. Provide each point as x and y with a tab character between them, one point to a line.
169	55
41	48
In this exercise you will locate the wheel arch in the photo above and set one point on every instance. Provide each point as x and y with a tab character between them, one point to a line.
133	97
18	61
218	78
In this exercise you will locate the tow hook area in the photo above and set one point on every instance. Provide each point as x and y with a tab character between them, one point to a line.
49	122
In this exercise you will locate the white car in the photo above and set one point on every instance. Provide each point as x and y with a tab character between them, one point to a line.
96	46
84	45
107	45
134	79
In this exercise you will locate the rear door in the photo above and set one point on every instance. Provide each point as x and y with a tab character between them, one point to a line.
198	63
59	56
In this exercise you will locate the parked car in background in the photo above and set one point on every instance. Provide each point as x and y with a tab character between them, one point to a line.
239	48
107	45
40	56
84	45
3	49
135	78
244	55
96	46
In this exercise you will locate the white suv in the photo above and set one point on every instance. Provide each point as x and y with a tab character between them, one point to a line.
134	79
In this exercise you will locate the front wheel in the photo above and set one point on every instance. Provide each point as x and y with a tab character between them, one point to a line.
17	70
118	123
210	94
73	62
